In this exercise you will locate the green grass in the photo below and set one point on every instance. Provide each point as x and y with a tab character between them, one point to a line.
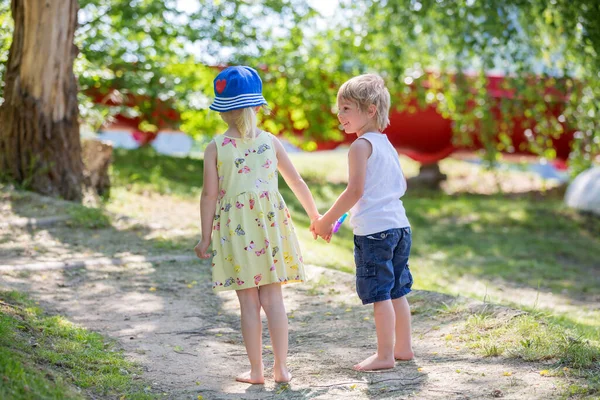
88	218
145	170
533	337
48	357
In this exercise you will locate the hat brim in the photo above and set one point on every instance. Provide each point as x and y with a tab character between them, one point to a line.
235	103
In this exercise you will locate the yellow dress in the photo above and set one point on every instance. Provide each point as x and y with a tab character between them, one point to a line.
253	238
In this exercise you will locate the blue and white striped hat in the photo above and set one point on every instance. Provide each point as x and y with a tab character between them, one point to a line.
237	87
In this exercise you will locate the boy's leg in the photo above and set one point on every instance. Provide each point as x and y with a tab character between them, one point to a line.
402	286
252	334
403	347
384	325
271	300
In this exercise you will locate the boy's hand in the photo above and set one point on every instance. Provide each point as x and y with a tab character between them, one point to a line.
201	248
322	229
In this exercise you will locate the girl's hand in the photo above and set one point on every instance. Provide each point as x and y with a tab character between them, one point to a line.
201	248
320	228
312	227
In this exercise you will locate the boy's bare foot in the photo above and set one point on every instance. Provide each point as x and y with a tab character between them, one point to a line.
404	356
374	363
253	378
281	375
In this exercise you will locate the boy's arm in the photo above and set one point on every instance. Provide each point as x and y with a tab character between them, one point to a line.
295	181
208	199
359	153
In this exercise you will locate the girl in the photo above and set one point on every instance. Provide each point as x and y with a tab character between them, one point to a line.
255	249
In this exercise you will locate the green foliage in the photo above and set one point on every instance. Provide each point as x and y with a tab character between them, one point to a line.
48	357
144	57
5	40
438	52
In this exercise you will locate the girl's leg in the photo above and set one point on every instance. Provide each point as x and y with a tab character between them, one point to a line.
384	325
403	347
252	334
271	300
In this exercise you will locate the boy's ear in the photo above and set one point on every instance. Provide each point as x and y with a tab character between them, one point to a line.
372	111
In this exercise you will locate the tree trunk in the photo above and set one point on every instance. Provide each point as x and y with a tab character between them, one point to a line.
39	128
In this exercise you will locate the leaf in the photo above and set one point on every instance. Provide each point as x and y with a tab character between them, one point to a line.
544	372
152	289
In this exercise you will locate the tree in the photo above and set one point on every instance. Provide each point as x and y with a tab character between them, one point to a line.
39	141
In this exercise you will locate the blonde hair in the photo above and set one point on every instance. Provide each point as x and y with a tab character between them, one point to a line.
366	90
244	120
246	123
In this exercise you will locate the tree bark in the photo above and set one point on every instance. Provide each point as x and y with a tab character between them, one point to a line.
40	147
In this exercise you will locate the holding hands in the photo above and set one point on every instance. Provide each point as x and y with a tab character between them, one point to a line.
320	227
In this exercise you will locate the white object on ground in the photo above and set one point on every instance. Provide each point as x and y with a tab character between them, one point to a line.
584	192
122	139
172	143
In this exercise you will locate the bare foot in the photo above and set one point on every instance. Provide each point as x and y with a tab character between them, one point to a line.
253	378
404	356
374	363
281	375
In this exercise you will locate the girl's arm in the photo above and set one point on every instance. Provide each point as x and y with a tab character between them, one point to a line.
359	153
295	181
208	199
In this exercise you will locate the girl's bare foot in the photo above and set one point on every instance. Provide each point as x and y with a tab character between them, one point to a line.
404	356
281	375
374	363
253	378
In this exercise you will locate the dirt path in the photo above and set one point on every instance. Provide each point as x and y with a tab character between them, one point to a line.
165	316
189	343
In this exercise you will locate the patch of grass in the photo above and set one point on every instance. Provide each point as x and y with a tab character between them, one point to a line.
88	218
318	287
588	390
531	338
172	244
144	169
48	357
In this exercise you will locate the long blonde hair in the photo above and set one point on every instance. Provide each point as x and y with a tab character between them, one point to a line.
244	120
246	123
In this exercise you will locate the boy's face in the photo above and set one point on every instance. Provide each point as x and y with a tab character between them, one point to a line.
353	120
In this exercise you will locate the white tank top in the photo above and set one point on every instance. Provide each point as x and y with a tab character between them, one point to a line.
380	207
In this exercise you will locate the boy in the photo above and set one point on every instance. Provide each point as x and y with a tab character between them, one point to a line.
382	235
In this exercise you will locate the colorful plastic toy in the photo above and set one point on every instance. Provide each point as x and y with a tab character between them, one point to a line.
339	222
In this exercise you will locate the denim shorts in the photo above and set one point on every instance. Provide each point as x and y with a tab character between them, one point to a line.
382	265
